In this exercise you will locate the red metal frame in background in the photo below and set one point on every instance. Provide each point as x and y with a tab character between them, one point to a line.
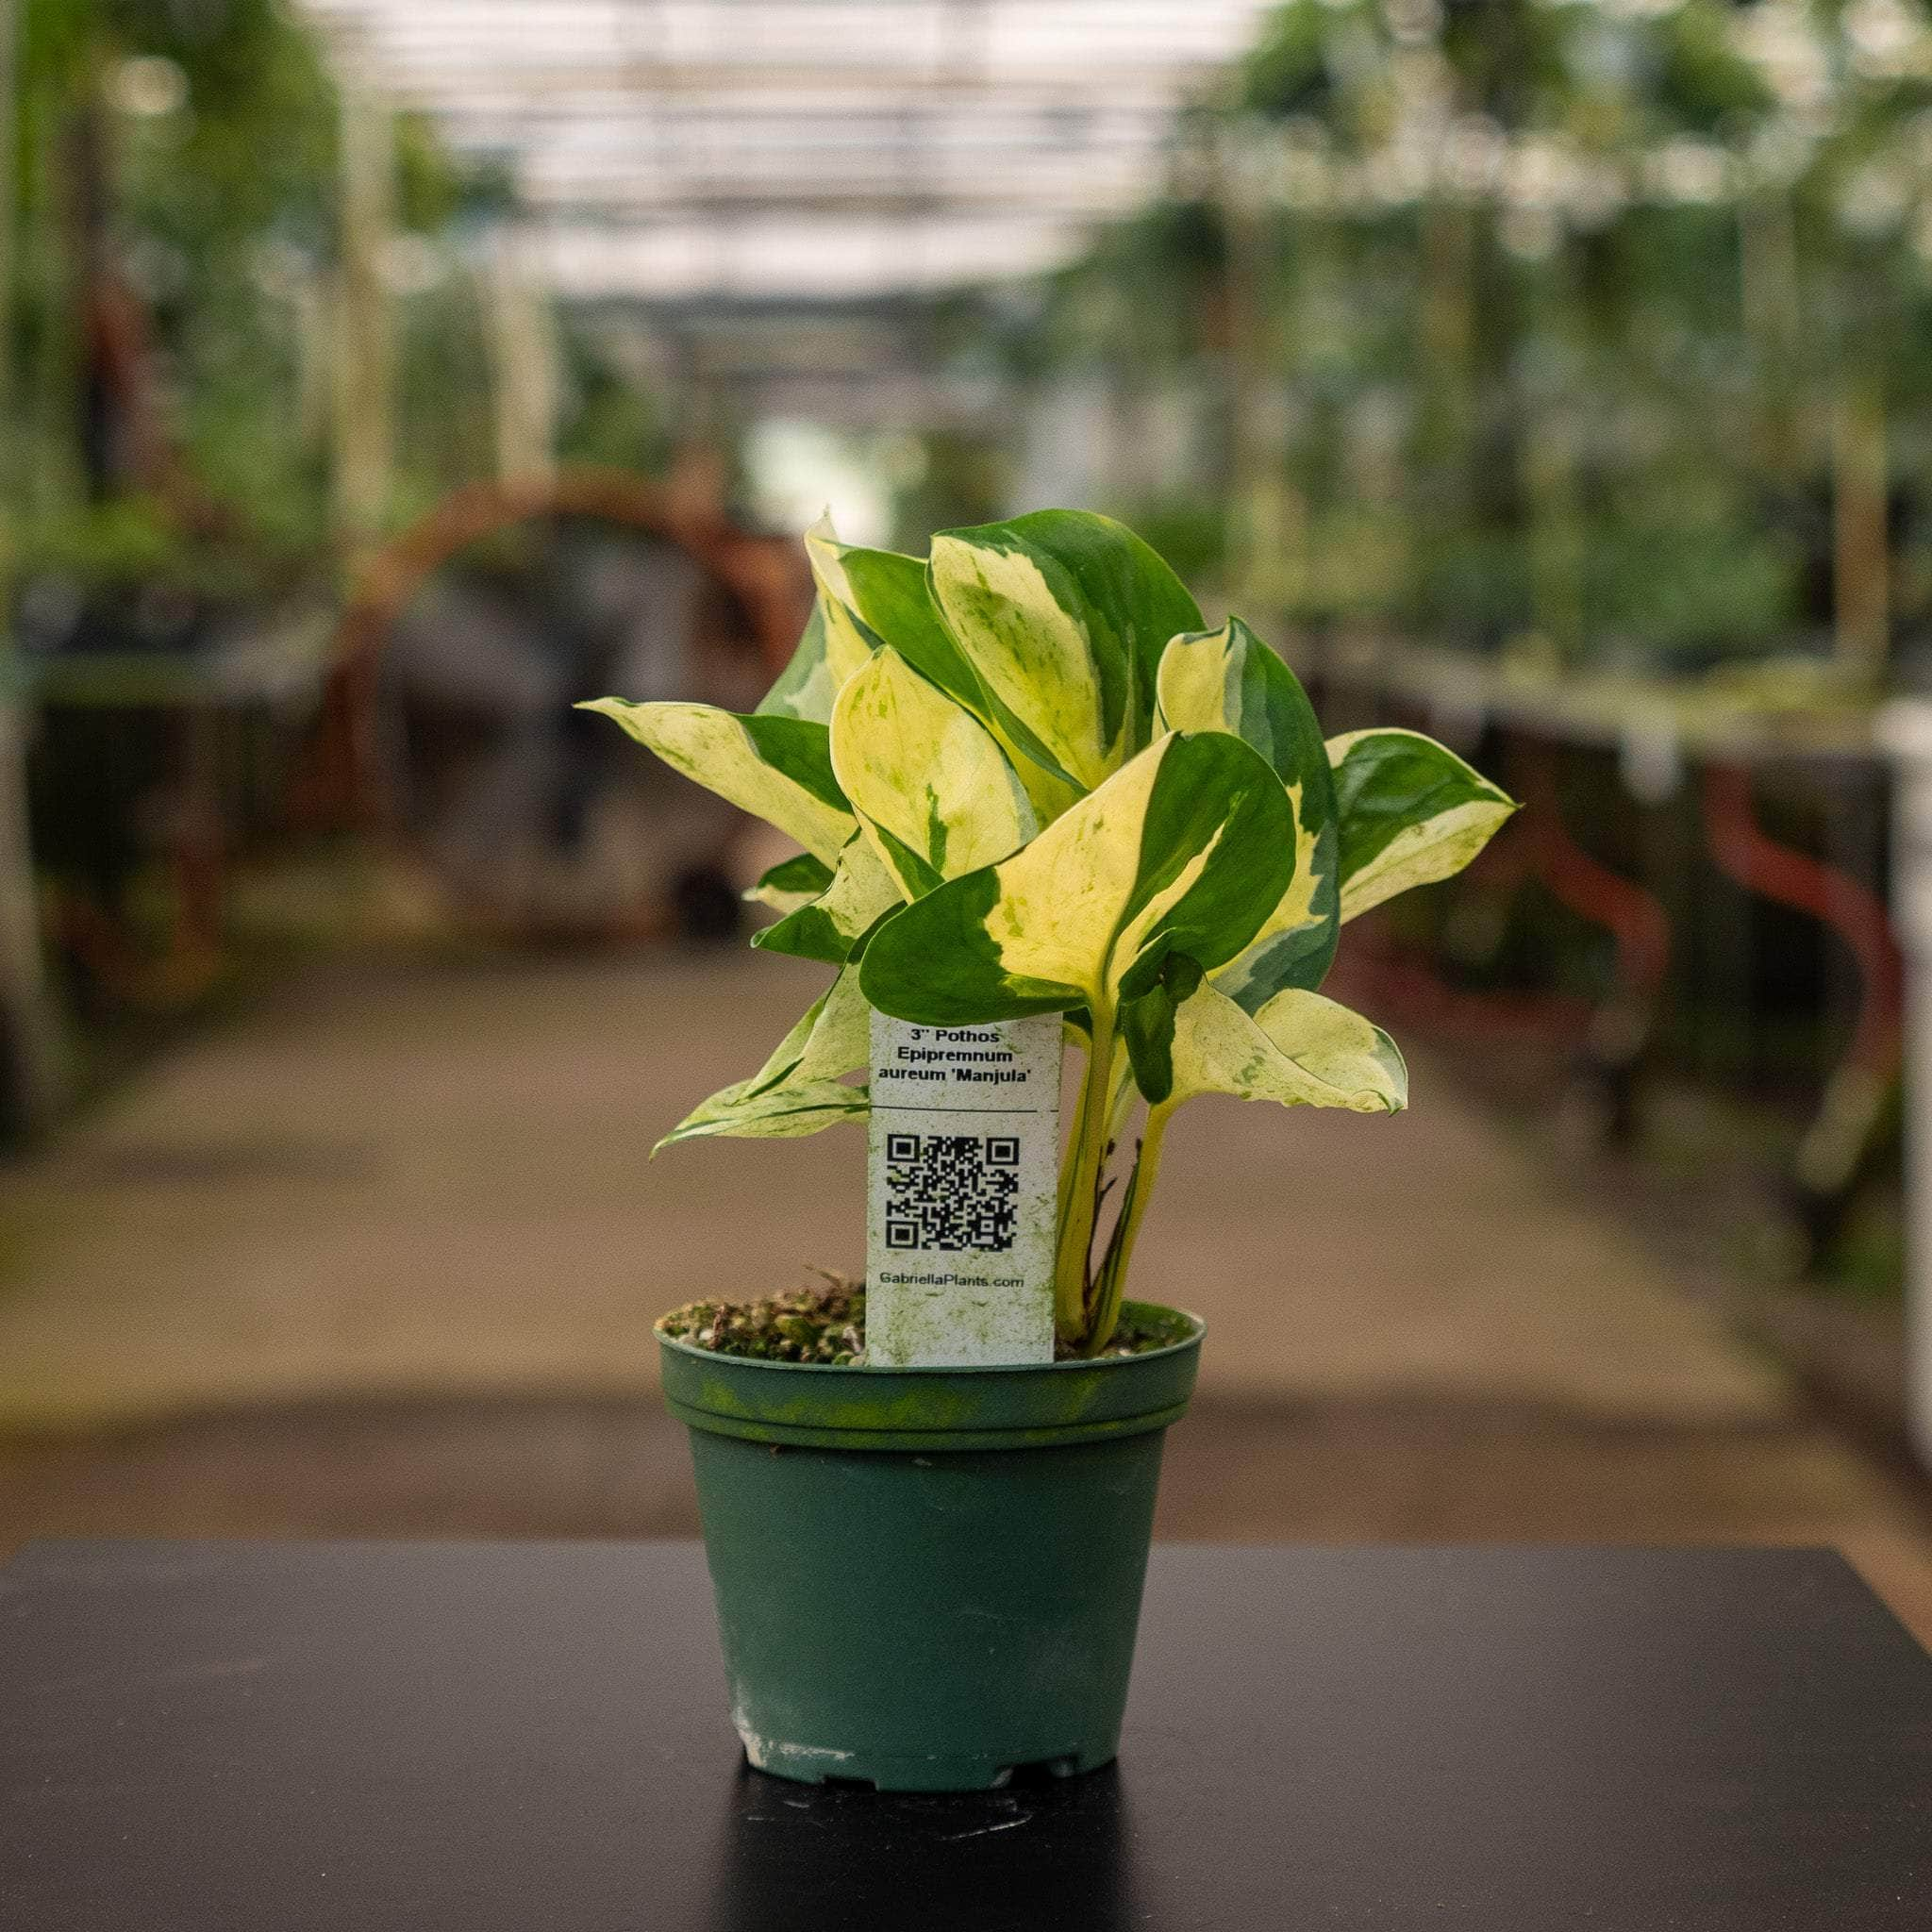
1637	923
1833	1147
1834	1144
1538	846
763	574
1834	898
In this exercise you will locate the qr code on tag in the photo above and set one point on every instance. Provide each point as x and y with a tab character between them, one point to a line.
952	1191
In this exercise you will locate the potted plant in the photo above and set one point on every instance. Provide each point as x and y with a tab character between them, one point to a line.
1027	779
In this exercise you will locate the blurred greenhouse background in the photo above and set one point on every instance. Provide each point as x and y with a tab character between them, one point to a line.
382	377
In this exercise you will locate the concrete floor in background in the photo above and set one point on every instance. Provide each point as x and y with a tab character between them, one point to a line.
381	1258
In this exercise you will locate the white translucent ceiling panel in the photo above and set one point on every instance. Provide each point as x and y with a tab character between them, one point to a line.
794	257
800	149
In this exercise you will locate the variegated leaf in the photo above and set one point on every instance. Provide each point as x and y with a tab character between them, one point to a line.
1411	812
1185	850
829	926
1299	1049
1229	681
805	688
790	884
933	792
880	598
877	597
1064	616
776	768
801	1088
847	644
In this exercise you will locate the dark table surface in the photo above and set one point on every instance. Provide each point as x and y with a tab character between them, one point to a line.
362	1736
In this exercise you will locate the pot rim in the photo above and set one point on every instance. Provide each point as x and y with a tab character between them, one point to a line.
1197	1329
979	1405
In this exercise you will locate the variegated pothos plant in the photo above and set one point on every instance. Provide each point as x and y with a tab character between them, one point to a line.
1027	778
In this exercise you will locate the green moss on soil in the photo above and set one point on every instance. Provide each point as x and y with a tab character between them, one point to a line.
826	1324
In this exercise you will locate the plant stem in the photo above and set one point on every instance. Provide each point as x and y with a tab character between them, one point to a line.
1080	1192
1120	1250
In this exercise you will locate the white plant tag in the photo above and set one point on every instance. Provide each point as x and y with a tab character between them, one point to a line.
964	1184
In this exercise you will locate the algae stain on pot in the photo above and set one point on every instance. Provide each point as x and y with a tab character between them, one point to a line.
983	1579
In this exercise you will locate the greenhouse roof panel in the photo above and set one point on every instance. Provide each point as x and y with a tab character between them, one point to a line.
800	149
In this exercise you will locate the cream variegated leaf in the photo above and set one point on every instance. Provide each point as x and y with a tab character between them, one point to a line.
829	926
879	598
1300	1049
1229	681
934	792
1185	849
847	643
1064	616
790	884
802	1087
805	687
779	768
1410	810
874	598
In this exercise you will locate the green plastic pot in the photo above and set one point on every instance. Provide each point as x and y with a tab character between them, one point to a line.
928	1579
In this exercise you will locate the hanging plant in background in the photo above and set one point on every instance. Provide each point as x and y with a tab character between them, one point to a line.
1027	778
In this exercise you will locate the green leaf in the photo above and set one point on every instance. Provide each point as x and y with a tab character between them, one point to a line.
776	768
872	598
801	1088
804	687
792	883
827	929
1186	849
1064	616
932	789
1147	1027
1411	812
1299	1049
1229	681
1147	1020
